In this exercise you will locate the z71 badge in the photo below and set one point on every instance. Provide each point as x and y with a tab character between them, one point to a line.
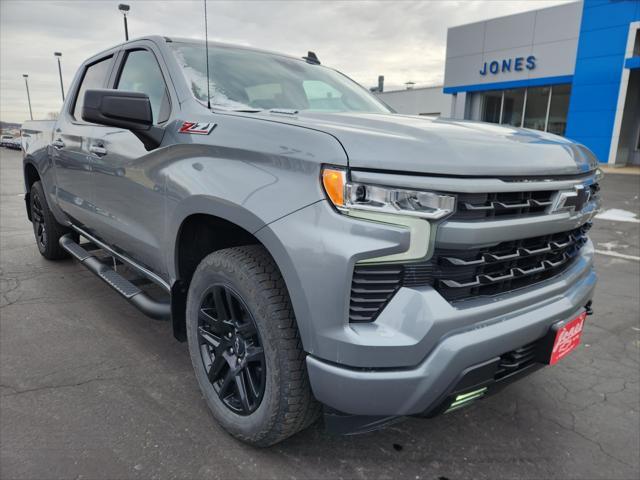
197	128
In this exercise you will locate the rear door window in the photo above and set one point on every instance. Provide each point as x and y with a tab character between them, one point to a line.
94	77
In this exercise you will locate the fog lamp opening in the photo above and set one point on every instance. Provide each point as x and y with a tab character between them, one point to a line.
466	399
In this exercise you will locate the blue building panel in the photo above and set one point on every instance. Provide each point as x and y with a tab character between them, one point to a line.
605	41
632	63
598	145
594	4
529	82
590	121
596	83
608	14
602	96
598	70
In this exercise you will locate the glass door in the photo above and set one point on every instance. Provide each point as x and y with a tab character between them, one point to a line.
512	107
492	104
558	109
535	114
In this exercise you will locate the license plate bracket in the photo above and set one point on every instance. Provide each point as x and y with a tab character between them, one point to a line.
563	338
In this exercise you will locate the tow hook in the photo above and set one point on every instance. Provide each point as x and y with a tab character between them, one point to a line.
588	308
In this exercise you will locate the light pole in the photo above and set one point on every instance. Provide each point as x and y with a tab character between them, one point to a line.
58	55
124	9
26	82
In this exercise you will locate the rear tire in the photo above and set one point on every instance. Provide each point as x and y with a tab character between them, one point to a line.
252	289
45	227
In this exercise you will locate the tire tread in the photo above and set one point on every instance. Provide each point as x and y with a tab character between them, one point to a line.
297	408
55	230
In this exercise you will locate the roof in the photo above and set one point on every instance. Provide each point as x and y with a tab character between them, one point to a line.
515	14
426	87
227	45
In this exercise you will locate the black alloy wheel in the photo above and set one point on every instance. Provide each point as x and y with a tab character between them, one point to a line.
46	228
37	216
231	349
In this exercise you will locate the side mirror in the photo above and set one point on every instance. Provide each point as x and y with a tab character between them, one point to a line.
128	110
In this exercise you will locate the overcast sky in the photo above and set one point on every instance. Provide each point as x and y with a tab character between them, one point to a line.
402	40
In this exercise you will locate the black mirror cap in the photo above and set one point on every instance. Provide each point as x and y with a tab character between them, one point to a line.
122	109
117	108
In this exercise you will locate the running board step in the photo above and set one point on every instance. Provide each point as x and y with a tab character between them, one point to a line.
153	308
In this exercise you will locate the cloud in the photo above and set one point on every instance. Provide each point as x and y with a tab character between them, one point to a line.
403	40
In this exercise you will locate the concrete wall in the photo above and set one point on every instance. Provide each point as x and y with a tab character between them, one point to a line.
550	35
419	101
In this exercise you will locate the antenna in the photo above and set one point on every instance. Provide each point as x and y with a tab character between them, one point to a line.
206	49
312	58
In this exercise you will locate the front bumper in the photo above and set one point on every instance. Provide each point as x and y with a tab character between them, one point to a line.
422	389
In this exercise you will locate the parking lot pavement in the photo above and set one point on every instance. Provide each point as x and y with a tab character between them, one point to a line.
93	389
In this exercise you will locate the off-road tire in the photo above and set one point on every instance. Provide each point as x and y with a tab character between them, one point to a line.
41	216
287	406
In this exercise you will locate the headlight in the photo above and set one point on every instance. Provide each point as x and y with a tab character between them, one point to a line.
347	196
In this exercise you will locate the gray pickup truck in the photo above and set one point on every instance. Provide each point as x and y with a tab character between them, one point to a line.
318	252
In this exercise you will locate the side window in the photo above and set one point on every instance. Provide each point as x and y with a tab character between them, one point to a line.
322	96
94	77
141	73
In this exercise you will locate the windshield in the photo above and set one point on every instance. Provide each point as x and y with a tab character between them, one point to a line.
249	80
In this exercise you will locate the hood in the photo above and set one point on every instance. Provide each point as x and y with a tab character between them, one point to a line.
449	147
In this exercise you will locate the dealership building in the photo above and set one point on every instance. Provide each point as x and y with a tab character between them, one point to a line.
572	70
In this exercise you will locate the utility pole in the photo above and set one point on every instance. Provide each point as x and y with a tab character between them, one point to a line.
124	9
26	82
58	55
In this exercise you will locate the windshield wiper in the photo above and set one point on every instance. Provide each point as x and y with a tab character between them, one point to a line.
247	110
284	111
281	111
236	109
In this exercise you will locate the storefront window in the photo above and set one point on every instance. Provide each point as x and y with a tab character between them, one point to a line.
558	110
492	102
512	107
535	114
540	108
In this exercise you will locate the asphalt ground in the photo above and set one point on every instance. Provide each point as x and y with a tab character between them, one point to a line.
91	388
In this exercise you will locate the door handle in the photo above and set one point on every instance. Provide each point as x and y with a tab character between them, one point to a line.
57	143
98	150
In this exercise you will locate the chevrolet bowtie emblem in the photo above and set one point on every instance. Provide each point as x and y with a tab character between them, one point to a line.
571	200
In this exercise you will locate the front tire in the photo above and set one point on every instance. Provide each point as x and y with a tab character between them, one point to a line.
46	228
245	347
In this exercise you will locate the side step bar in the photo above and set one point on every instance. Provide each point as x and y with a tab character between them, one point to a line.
143	302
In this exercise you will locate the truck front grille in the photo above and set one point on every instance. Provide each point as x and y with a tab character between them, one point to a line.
474	206
478	206
462	274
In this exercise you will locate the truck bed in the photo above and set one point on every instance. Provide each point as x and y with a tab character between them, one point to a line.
37	135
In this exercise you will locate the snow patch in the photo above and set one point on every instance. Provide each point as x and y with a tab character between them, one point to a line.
608	245
198	82
618	215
